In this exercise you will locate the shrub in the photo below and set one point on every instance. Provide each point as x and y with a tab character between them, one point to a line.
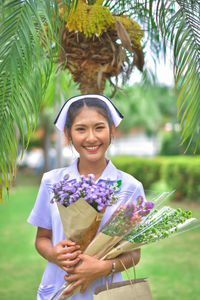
180	173
146	170
171	144
183	175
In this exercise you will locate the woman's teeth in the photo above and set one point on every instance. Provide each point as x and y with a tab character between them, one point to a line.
92	148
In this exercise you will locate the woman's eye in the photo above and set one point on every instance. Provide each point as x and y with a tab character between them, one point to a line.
80	129
100	127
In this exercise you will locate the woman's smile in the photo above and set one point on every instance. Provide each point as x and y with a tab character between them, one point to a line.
90	135
92	148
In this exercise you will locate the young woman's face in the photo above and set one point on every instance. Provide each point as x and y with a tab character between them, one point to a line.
90	134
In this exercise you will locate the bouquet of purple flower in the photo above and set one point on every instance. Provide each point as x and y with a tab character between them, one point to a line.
97	195
126	216
81	205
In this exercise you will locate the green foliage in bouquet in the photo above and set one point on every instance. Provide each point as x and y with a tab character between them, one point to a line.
161	225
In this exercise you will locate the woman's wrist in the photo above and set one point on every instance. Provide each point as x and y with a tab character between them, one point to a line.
106	267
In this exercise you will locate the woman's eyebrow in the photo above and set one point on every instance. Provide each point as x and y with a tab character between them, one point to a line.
100	123
84	125
79	124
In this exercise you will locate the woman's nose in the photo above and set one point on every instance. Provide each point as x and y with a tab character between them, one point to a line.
91	136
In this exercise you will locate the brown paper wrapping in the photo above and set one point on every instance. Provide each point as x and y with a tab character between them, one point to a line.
80	222
121	247
101	244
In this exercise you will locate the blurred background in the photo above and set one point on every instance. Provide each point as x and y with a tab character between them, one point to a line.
147	143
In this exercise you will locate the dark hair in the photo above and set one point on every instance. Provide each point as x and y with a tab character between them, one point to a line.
99	105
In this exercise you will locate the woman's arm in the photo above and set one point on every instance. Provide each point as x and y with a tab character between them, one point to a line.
91	268
64	254
127	259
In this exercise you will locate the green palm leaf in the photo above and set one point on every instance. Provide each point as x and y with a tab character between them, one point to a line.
174	23
186	54
25	67
183	30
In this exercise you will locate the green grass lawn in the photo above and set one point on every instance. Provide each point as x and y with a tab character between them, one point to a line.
21	267
173	265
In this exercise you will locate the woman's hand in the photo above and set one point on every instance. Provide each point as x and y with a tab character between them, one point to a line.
86	272
65	254
90	268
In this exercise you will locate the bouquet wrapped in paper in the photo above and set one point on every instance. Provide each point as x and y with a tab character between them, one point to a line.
161	224
135	224
81	205
127	215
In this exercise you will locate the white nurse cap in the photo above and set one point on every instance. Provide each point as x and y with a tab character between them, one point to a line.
62	115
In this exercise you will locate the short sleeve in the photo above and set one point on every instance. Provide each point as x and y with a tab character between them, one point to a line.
139	191
41	215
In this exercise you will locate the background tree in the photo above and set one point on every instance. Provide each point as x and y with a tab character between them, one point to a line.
35	34
60	87
148	108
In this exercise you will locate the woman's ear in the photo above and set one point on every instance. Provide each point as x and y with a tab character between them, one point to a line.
112	133
113	130
68	138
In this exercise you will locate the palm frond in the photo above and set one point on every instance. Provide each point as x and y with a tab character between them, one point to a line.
184	29
179	25
175	23
25	67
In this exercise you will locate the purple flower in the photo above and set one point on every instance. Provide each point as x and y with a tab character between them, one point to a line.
68	191
100	207
149	205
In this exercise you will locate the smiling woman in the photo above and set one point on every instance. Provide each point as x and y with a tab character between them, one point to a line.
88	122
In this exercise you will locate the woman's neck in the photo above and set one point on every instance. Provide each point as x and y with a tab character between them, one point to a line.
95	168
